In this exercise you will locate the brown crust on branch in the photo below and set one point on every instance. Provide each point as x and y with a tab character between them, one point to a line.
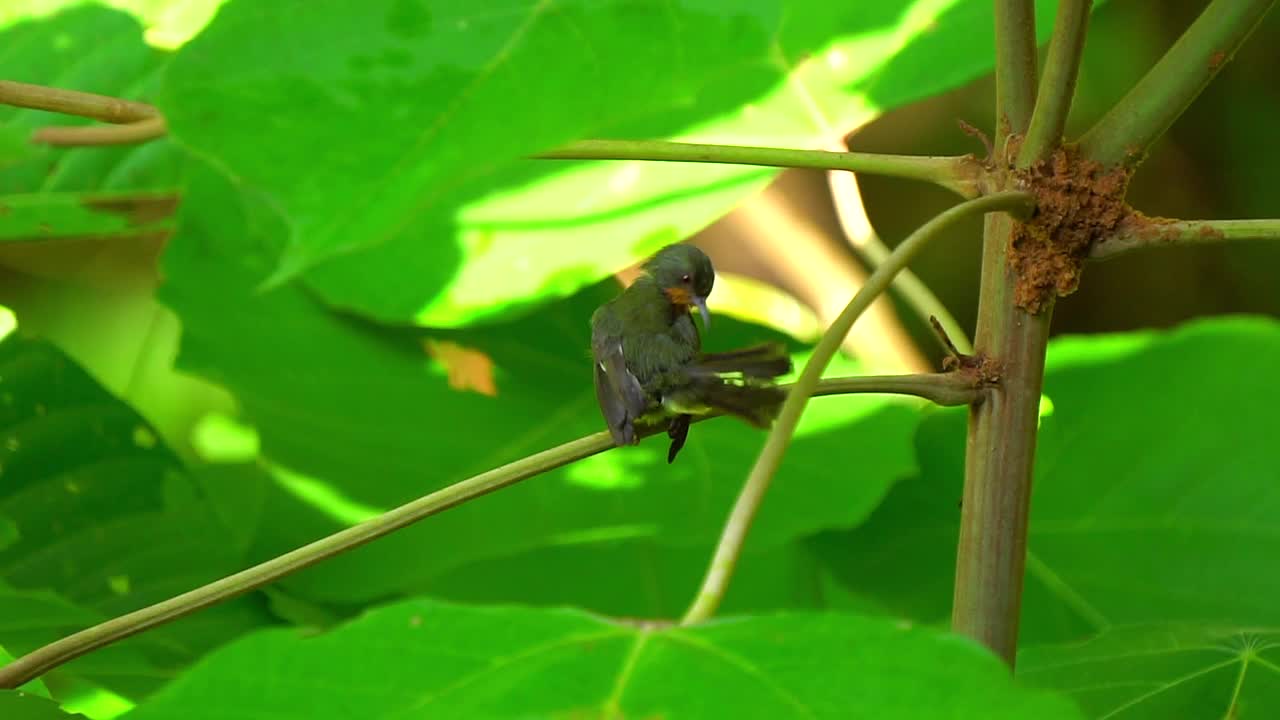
1079	202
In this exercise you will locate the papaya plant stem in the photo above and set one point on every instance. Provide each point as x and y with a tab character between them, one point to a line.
1127	131
999	456
941	388
1015	66
732	538
959	173
1058	83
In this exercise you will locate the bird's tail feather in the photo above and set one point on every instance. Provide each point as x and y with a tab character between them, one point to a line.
756	404
768	360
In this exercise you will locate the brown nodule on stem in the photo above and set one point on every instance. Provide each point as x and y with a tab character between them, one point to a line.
1079	203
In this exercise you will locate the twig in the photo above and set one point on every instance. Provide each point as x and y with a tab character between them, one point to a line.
94	135
960	173
1138	231
1058	84
720	571
1127	131
953	353
944	388
73	102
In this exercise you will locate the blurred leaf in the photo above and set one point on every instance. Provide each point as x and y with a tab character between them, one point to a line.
1155	487
641	578
1164	671
19	705
32	619
14	145
8	532
60	216
422	657
106	518
353	419
168	23
420	196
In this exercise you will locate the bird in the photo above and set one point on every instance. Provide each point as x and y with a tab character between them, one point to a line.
649	363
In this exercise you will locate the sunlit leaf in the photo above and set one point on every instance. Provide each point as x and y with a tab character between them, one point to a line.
168	23
419	207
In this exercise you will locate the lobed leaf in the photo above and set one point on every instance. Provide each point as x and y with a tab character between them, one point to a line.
420	658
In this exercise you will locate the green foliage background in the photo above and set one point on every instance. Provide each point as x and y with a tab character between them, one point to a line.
354	193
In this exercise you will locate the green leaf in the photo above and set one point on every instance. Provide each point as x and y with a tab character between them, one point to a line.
1164	671
106	516
19	705
8	532
67	216
354	419
1154	489
425	108
14	145
423	658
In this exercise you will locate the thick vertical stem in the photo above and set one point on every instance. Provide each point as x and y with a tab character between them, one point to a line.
1000	454
1000	450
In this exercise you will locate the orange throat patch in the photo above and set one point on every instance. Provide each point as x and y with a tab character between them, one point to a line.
680	297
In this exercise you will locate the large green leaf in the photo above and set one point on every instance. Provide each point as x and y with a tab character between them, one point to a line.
417	207
1165	671
354	419
106	518
1154	491
420	658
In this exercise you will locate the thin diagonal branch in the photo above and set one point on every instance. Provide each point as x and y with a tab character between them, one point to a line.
732	539
959	174
942	388
1058	85
1138	231
1015	66
1127	131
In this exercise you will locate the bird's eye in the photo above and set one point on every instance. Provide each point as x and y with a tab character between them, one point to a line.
684	278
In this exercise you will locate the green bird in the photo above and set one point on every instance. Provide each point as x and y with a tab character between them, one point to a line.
649	364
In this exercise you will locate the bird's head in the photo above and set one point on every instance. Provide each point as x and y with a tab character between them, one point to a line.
685	275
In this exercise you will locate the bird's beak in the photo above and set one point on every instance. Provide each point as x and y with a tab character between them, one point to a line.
701	304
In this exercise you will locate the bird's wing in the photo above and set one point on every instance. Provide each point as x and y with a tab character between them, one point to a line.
621	398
